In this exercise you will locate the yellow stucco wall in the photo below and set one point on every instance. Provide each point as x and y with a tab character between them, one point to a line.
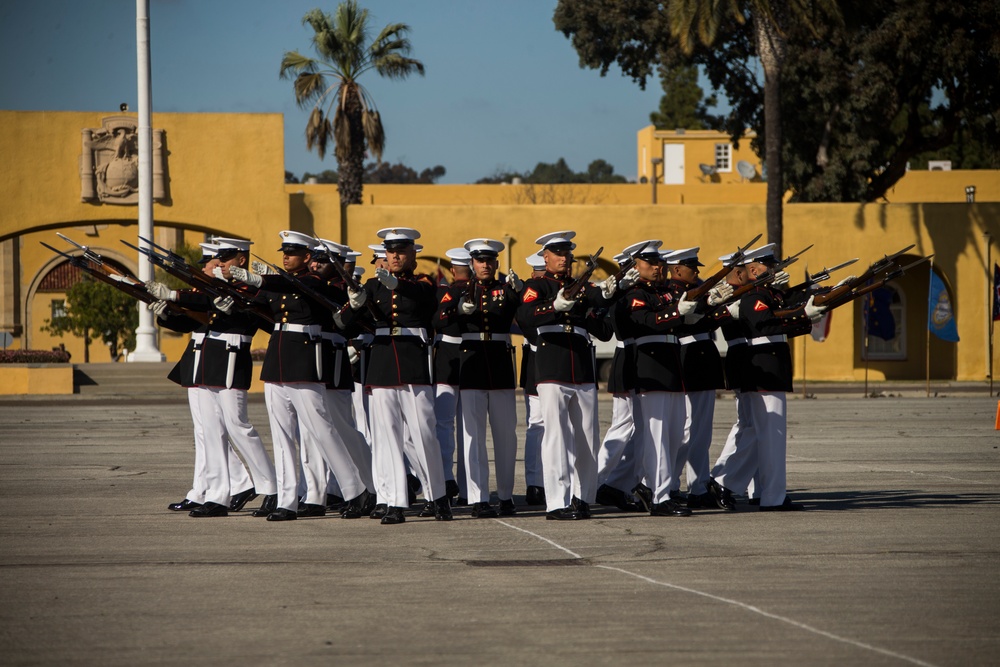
23	379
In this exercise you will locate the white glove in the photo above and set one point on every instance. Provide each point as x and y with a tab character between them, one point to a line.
260	268
814	312
562	304
386	278
781	279
465	306
224	303
608	287
217	272
514	281
630	278
353	355
734	309
158	308
685	307
161	291
357	298
845	281
719	293
245	276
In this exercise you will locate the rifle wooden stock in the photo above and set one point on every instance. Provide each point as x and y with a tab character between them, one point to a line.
701	290
576	287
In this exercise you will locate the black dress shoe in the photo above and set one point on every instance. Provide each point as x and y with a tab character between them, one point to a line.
669	508
370	501
429	509
269	505
412	488
534	495
609	495
564	514
483	511
582	508
442	509
753	501
507	507
334	503
237	502
393	515
786	506
697	501
379	511
282	514
354	508
645	496
724	499
183	506
309	509
451	488
461	501
209	509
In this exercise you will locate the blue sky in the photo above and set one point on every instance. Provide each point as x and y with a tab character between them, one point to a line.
503	89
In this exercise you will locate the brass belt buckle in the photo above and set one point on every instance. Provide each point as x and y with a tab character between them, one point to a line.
568	328
485	335
396	331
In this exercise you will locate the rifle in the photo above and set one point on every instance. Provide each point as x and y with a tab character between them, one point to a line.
176	266
121	282
701	290
313	294
891	275
627	265
883	264
575	288
816	278
767	276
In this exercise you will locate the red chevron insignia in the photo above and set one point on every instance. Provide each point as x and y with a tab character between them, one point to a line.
759	306
446	298
637	303
529	295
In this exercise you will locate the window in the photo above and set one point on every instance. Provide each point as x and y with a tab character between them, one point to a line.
724	157
58	308
880	349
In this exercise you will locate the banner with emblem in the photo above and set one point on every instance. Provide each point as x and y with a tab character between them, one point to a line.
940	316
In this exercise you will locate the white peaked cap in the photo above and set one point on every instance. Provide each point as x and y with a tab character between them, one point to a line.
458	256
242	245
648	247
761	253
536	261
484	247
290	238
555	239
684	256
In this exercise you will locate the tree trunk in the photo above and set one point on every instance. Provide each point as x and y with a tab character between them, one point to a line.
771	51
350	172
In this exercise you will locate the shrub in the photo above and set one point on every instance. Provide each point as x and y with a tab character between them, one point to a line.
34	357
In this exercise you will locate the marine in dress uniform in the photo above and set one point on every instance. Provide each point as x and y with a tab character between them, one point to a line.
400	379
534	427
619	463
768	377
566	377
293	375
183	373
702	375
483	309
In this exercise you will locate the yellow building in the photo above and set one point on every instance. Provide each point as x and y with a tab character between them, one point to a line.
224	173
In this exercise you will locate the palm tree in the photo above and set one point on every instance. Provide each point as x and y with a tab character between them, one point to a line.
330	84
700	20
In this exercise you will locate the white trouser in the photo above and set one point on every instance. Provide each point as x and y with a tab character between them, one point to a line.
533	441
298	413
239	479
497	405
570	442
617	463
360	401
737	464
393	408
699	409
224	421
339	407
447	409
662	435
767	410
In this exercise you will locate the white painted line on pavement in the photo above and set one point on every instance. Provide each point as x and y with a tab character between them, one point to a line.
735	603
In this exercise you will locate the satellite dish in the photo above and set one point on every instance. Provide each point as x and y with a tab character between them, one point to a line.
708	169
747	170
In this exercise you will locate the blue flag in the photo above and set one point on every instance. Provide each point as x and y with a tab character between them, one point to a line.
878	317
940	317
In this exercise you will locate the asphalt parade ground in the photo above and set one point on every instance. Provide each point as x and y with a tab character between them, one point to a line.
896	560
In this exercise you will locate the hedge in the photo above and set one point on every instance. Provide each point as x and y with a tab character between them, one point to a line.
34	357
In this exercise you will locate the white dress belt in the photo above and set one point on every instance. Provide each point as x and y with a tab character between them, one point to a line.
658	338
564	328
232	339
532	347
335	338
764	340
733	342
402	331
445	338
487	336
687	340
313	330
627	341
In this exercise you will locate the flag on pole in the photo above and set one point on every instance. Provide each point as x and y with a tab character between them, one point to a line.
821	328
878	317
996	292
940	317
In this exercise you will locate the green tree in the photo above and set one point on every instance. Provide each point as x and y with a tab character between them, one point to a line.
383	172
330	83
95	309
681	105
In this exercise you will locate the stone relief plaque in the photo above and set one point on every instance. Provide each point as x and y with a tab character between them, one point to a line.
109	163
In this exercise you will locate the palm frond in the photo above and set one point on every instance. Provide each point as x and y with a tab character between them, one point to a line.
318	132
396	66
371	120
342	135
309	88
293	62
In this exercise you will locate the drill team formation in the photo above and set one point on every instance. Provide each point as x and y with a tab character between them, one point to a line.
382	390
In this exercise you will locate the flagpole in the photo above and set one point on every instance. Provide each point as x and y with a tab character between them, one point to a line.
990	297
928	355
